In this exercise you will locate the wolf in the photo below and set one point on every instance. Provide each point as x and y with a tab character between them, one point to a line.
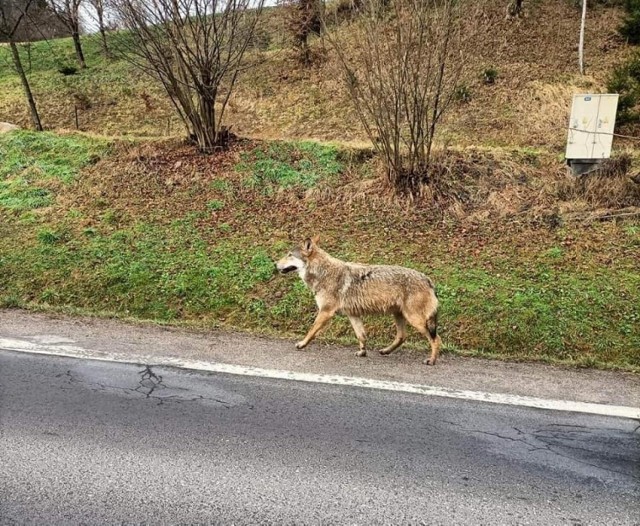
356	289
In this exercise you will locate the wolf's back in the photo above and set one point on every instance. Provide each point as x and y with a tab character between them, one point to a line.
385	288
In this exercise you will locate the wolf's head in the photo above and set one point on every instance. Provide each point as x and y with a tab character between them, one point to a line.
298	258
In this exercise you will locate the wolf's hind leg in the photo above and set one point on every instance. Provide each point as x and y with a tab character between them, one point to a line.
428	329
434	339
361	334
401	334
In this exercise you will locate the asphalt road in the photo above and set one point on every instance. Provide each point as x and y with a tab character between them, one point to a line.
102	443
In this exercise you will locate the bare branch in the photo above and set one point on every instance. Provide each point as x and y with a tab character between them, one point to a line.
402	62
195	48
68	13
11	16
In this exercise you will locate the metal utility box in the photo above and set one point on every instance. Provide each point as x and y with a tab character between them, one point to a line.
593	118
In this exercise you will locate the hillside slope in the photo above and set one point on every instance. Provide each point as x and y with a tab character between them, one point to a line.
535	57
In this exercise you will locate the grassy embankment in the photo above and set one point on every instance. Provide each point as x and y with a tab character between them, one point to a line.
124	236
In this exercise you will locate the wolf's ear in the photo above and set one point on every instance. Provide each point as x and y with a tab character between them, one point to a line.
308	245
315	239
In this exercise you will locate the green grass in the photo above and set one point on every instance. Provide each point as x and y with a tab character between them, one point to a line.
52	55
544	302
148	258
215	205
111	96
30	162
48	155
544	311
504	306
286	165
145	271
170	273
47	58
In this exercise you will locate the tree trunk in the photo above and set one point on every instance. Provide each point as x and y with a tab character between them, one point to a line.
105	47
78	47
514	9
103	34
204	125
305	51
35	118
211	127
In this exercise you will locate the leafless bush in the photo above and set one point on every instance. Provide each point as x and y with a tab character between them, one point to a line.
402	69
339	11
302	19
196	49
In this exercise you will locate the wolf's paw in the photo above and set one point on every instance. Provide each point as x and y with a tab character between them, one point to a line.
429	361
300	345
361	353
384	352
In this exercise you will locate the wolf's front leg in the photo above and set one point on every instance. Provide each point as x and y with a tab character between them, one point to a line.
322	319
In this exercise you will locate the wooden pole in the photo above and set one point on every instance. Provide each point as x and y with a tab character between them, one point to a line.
581	45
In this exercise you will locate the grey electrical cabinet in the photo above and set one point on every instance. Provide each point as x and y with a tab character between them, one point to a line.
591	125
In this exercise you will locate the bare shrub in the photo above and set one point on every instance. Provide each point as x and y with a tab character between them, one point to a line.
340	11
469	183
402	70
196	49
302	20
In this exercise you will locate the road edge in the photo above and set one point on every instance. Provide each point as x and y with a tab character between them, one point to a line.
73	351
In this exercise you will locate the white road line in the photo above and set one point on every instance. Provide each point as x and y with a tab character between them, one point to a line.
72	351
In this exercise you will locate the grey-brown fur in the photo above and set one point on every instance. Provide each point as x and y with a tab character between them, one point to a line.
355	289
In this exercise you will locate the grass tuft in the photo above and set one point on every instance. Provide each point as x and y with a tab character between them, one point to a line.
286	165
30	162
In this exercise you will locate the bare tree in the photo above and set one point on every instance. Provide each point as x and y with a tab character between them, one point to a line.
12	15
514	9
68	13
303	19
402	76
100	7
196	49
38	22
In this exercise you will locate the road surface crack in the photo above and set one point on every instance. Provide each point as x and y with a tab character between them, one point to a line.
150	385
150	381
541	445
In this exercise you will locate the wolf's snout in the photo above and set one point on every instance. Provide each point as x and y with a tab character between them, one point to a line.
285	270
283	267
